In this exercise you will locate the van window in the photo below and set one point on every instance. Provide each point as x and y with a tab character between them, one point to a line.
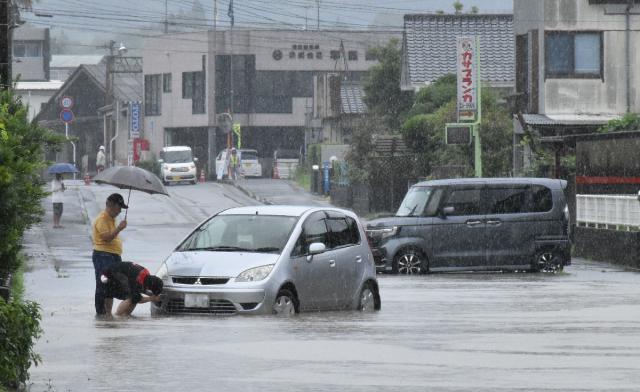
343	231
249	156
518	199
183	156
542	199
414	201
465	201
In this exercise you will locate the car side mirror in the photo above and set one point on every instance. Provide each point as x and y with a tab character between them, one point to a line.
315	249
447	211
195	159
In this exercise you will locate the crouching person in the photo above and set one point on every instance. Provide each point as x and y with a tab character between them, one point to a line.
128	282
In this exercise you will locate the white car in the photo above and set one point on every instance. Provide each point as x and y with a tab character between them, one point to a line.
177	164
271	260
251	166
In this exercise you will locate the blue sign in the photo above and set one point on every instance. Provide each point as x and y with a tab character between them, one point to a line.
66	115
134	125
325	177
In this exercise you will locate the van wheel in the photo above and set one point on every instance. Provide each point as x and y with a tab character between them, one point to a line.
410	261
548	261
286	304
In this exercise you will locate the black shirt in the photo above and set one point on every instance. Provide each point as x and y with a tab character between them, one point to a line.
126	280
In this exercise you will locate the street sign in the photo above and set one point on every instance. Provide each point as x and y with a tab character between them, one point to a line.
458	133
225	122
66	115
134	124
467	78
66	102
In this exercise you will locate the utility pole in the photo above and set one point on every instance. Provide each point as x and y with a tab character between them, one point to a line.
211	96
166	18
318	4
5	45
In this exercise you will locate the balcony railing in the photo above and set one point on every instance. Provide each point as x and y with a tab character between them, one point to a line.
620	212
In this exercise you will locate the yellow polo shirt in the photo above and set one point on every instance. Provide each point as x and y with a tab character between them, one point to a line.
105	224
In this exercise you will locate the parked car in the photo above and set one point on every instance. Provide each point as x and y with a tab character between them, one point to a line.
475	224
177	164
251	166
271	259
285	163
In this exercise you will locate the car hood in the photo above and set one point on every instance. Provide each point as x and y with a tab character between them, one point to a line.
205	263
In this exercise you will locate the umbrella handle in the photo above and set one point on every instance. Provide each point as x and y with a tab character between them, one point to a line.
127	211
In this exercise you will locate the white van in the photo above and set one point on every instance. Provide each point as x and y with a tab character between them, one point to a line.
177	164
251	166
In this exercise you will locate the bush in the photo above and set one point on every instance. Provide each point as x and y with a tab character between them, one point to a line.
151	165
19	329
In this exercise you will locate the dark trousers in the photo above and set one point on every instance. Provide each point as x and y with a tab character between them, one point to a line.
101	260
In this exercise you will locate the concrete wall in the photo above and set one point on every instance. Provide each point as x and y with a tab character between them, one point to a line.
622	247
593	96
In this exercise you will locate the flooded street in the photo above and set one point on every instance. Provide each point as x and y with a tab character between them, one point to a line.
484	332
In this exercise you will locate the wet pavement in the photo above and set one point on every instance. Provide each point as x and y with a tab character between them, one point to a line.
576	331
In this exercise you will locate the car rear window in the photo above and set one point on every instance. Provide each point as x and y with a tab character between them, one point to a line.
287	154
249	156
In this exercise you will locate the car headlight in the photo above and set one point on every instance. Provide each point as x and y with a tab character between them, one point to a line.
255	274
163	273
384	232
192	167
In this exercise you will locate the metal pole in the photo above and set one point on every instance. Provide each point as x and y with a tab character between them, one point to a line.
318	3
166	18
5	45
66	134
476	125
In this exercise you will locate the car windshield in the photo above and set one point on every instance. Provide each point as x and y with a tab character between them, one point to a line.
183	156
249	156
241	233
414	202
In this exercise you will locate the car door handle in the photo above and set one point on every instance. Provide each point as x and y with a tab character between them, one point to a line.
494	222
358	259
332	263
473	222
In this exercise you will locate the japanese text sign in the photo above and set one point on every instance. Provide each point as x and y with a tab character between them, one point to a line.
467	62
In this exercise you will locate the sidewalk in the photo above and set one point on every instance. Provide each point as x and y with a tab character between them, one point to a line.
272	191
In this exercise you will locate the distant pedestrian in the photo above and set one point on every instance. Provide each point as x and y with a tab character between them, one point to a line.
234	164
128	281
107	247
101	159
57	189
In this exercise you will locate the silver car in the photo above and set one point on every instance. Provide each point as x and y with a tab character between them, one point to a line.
271	260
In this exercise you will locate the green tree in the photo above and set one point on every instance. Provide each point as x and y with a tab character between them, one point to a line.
383	95
628	122
458	6
359	158
431	98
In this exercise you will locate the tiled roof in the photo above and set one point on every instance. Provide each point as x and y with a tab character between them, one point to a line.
568	119
430	46
126	86
72	60
351	98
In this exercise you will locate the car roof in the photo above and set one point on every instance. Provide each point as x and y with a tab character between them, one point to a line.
550	182
176	148
283	210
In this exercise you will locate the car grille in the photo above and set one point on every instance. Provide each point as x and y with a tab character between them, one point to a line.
180	169
199	281
216	306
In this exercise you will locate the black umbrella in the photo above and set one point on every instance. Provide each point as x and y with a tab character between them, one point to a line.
131	177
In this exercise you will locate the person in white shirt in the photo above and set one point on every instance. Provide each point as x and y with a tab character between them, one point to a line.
57	188
101	160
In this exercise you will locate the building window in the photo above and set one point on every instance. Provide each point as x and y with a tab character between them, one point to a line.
319	55
353	55
292	54
152	94
27	48
334	54
166	83
573	54
371	55
193	87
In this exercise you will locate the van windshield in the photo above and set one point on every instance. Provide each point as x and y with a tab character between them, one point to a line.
414	202
183	156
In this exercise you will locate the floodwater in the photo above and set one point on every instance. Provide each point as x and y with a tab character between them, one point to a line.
575	331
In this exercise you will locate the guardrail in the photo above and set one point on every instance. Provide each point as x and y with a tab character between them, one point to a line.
619	212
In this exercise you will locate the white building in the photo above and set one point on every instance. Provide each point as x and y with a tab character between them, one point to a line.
277	76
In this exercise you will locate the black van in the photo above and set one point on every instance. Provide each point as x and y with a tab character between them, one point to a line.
476	224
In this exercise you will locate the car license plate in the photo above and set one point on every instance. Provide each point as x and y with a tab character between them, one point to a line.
196	301
177	177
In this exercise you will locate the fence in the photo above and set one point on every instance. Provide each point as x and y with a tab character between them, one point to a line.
608	211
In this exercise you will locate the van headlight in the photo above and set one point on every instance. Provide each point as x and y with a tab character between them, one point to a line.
163	273
383	232
255	274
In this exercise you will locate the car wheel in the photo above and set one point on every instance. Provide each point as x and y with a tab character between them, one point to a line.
548	261
286	304
409	261
194	182
367	301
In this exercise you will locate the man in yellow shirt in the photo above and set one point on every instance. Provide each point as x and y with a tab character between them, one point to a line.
107	247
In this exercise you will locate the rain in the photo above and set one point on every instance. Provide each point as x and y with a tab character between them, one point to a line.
454	186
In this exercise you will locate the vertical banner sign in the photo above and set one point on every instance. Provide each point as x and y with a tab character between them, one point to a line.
134	124
467	78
